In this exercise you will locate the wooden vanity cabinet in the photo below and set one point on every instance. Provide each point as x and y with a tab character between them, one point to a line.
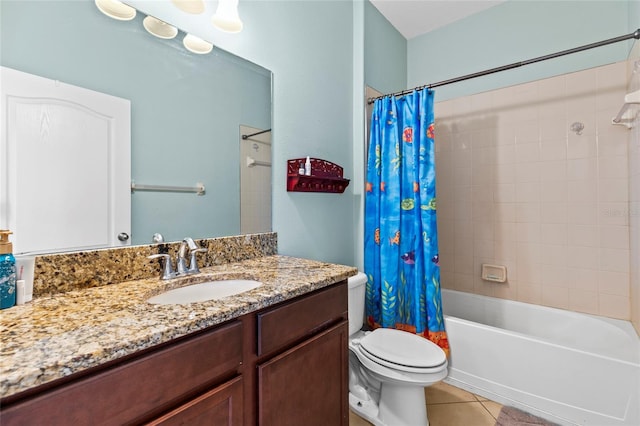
303	361
137	389
283	365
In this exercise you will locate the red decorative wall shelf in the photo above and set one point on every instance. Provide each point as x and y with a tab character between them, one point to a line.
325	176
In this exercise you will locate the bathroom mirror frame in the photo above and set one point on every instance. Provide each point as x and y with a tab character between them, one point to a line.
74	48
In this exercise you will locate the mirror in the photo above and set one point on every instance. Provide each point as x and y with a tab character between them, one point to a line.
186	109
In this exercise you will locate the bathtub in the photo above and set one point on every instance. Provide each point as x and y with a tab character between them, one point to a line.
569	368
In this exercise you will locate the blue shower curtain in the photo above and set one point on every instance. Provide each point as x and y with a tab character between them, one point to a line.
401	242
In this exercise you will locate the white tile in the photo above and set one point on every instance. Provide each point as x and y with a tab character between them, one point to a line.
527	132
482	211
504	193
580	83
461	176
505	249
582	257
504	173
613	306
553	254
583	301
555	295
483	231
482	157
529	292
613	214
463	264
528	212
504	231
528	232
583	235
582	191
553	233
527	152
528	192
505	154
552	170
613	283
553	128
482	174
583	279
505	134
613	167
504	212
612	140
582	169
553	213
553	149
554	192
581	146
613	190
582	213
614	260
528	172
616	237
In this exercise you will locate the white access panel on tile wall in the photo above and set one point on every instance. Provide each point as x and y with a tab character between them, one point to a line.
66	165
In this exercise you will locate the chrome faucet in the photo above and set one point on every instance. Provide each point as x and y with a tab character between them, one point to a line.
181	266
181	261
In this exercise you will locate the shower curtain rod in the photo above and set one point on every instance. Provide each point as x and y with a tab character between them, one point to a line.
635	34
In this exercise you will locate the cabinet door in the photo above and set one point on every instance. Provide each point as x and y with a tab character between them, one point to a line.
219	406
307	385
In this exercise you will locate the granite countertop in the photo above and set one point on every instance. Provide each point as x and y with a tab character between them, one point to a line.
55	336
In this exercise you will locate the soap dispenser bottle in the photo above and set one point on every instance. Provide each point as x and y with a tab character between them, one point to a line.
307	167
7	272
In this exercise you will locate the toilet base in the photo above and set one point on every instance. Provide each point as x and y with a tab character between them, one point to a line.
402	405
399	406
367	409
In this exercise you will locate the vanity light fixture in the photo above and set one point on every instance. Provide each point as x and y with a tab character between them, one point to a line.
226	17
196	45
194	7
159	28
116	9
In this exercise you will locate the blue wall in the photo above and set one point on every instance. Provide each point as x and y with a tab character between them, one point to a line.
515	31
185	108
385	54
308	45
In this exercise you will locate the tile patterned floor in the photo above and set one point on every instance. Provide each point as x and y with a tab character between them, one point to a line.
451	406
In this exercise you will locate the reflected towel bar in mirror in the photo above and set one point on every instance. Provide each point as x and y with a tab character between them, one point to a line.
198	189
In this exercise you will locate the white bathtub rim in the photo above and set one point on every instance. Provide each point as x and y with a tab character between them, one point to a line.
623	326
538	340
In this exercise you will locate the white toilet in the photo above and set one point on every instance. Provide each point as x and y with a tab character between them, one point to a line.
389	368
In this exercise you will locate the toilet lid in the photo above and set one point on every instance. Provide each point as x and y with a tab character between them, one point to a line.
402	348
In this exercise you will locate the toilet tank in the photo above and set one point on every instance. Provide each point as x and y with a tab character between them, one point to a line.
357	287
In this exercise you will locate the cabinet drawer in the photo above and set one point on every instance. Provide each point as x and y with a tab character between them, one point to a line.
284	325
139	388
220	406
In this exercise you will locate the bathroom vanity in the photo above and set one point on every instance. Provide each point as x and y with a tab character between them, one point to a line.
275	355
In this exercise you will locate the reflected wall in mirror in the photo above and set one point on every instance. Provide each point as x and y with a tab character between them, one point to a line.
186	109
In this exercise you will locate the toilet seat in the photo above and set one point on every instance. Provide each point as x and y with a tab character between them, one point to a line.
403	351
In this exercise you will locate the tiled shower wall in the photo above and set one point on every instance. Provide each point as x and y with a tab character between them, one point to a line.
518	187
634	192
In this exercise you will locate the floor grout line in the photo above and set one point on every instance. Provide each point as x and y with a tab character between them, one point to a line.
488	411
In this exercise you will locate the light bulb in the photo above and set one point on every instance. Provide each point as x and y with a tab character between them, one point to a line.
226	17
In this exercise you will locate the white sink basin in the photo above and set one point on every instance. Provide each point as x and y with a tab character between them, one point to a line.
210	290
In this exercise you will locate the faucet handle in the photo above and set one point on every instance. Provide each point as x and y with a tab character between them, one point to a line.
193	263
167	270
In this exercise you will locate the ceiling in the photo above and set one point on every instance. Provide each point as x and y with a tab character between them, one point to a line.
415	17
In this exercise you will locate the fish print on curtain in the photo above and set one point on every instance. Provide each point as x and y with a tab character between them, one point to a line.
401	241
